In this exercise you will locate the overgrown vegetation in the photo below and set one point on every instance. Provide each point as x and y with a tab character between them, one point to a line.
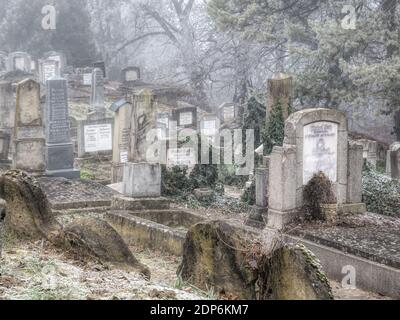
274	131
317	193
380	193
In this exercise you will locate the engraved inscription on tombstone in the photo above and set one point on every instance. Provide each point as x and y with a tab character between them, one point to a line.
320	150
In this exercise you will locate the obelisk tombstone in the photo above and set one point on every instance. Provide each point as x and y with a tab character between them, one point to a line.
97	109
59	146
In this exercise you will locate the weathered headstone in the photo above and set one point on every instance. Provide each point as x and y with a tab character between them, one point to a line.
186	118
19	61
95	137
58	57
393	161
228	112
142	180
48	69
59	147
29	139
315	140
122	128
370	151
97	95
209	126
102	66
4	147
280	90
3	61
130	76
7	106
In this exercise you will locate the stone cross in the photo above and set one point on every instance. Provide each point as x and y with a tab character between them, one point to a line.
29	139
59	147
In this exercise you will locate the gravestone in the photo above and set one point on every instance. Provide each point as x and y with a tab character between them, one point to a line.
3	61
48	69
142	180
130	76
97	94
4	147
102	66
95	137
280	90
393	161
209	126
315	140
228	112
122	128
186	118
29	139
58	57
59	147
7	106
19	61
182	157
370	151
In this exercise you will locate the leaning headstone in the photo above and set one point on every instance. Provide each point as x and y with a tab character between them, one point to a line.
29	139
315	140
280	90
97	95
393	161
59	147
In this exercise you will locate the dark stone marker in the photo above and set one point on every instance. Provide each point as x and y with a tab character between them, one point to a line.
186	118
59	147
102	66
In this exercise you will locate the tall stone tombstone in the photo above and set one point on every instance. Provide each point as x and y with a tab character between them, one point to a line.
121	138
19	61
280	90
315	140
370	151
59	147
29	138
209	126
393	161
97	94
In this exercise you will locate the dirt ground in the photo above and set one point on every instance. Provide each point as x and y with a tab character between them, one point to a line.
38	271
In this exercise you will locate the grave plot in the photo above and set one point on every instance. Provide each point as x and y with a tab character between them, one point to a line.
66	194
370	236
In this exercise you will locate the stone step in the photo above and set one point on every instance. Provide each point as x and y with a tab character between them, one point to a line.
81	211
138	204
147	234
170	218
